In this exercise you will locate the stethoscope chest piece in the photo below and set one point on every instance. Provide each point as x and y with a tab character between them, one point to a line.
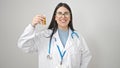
61	66
49	57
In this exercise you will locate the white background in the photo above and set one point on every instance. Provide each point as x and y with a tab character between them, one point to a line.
97	20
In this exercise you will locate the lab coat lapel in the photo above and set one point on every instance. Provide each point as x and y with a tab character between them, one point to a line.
58	41
69	41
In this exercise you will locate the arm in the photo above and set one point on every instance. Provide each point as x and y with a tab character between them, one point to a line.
27	40
86	55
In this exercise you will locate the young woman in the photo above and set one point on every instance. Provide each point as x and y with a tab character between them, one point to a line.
59	46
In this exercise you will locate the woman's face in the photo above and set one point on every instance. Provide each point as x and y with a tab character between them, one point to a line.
62	17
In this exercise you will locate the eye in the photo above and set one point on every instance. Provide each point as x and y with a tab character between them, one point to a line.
66	13
59	13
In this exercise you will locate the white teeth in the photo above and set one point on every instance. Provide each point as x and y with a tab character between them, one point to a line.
62	20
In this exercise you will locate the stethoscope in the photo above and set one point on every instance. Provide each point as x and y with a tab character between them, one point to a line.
61	54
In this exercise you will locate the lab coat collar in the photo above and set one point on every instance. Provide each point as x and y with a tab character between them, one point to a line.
59	43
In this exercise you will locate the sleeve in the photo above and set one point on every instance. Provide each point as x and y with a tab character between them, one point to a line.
86	55
27	40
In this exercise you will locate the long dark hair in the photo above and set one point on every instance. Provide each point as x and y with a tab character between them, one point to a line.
53	24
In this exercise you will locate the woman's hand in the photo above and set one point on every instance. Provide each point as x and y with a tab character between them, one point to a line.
39	19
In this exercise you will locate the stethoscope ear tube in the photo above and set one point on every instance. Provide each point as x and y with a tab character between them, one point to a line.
74	33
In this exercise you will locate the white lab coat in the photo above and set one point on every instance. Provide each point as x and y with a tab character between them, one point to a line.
77	53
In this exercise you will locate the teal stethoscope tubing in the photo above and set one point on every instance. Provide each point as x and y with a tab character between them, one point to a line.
61	55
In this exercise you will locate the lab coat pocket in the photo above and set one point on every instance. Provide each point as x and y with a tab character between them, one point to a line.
74	56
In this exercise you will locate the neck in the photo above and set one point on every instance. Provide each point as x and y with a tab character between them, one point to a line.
63	28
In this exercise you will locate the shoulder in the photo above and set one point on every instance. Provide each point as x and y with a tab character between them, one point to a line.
78	34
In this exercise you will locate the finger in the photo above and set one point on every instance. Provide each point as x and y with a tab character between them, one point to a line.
41	16
41	19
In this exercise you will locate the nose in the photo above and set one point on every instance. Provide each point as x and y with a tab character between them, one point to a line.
63	15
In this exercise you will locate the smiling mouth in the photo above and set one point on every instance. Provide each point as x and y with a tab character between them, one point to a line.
63	21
